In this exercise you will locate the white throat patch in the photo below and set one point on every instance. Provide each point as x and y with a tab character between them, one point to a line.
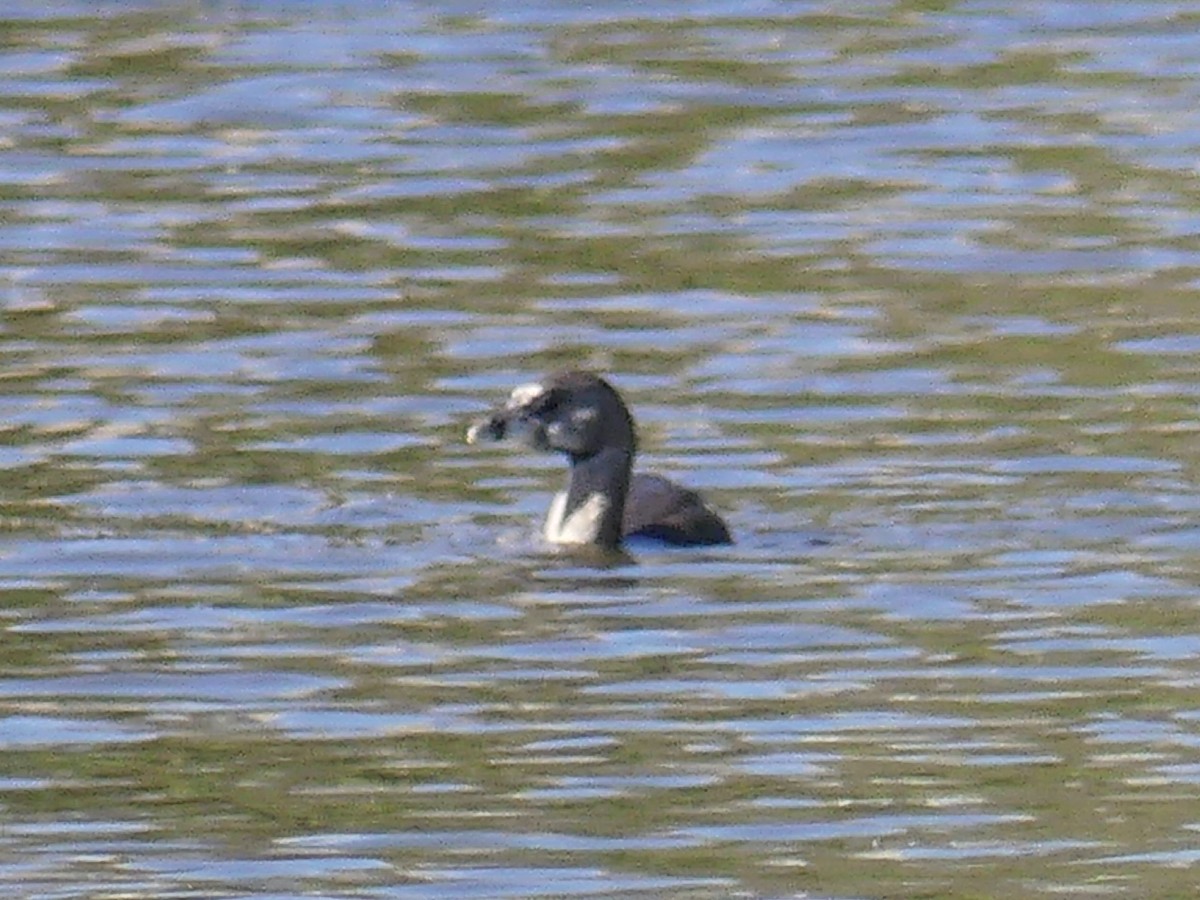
582	526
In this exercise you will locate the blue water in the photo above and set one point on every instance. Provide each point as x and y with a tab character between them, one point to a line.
909	294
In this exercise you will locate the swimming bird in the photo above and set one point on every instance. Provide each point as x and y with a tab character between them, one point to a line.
581	415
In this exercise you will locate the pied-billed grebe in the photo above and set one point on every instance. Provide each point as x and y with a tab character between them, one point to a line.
581	415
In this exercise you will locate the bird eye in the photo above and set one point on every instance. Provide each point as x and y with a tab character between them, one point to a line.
547	403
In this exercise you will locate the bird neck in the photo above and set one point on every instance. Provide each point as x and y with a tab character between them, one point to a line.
592	508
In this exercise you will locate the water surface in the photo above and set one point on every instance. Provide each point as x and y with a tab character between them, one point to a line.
910	291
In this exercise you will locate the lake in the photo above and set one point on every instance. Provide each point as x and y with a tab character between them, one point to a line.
910	291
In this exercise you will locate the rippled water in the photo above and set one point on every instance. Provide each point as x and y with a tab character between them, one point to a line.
910	291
